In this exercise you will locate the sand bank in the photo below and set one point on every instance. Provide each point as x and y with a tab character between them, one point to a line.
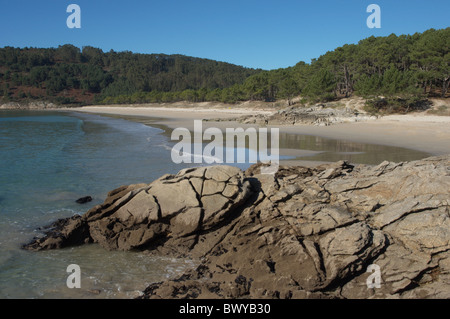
424	133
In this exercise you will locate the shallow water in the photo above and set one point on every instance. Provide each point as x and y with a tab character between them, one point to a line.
50	159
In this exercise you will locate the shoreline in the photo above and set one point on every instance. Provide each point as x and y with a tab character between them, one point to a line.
425	133
341	190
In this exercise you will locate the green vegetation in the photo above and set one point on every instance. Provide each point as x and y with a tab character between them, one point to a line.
90	75
399	68
395	73
396	105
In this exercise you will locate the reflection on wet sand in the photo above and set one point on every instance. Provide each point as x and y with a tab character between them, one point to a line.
310	150
330	150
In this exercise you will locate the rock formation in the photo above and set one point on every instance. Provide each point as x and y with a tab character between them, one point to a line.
84	200
301	233
319	115
31	105
173	211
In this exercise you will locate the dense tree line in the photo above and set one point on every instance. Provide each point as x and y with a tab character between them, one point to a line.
406	65
68	70
401	68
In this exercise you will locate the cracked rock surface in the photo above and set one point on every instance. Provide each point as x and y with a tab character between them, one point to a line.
301	233
168	215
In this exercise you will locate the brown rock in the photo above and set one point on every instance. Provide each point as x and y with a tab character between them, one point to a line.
166	211
301	233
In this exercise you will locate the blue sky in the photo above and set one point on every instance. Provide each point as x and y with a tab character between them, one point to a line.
260	34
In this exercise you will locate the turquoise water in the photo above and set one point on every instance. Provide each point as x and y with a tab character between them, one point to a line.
47	161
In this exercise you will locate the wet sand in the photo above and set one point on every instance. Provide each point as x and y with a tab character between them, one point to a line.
427	134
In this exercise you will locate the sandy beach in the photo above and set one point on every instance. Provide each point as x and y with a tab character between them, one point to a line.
426	133
429	134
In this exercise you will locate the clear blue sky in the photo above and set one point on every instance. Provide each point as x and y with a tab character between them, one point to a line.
254	33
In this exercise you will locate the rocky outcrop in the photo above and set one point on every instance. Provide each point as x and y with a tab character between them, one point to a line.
33	105
84	200
320	115
301	233
169	214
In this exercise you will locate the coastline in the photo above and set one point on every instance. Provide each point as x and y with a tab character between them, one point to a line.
374	194
425	133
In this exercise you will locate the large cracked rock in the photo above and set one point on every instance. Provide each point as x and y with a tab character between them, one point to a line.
174	210
312	233
300	233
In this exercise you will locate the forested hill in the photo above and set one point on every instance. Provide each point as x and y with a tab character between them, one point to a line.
67	74
406	66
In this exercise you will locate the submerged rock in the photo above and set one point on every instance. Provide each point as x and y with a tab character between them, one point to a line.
84	200
301	233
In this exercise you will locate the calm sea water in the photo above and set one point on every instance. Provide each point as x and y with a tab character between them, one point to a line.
50	159
47	161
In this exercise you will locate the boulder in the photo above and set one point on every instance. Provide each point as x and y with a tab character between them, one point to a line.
84	200
167	210
314	232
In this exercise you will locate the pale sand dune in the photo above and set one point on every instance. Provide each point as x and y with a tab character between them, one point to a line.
425	133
